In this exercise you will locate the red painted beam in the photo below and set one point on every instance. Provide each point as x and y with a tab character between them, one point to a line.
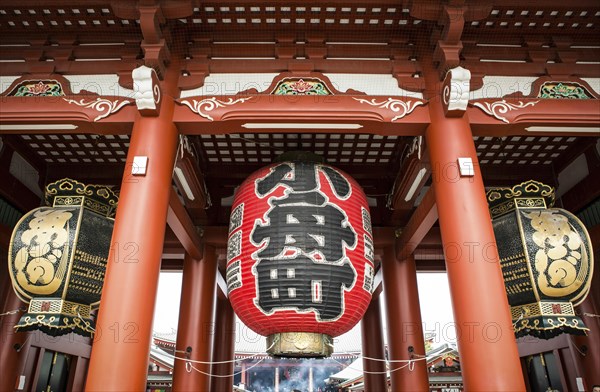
180	222
215	235
418	226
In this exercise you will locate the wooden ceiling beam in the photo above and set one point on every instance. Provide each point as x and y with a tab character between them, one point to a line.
335	33
16	143
69	67
510	175
89	173
573	152
12	189
272	50
421	221
74	52
585	192
180	222
240	171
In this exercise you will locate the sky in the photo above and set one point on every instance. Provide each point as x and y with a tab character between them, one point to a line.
434	297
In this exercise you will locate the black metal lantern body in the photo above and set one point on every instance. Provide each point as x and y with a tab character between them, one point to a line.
546	259
57	257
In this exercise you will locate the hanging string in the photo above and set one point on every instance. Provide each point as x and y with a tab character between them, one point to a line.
576	347
419	356
591	314
226	375
24	342
219	362
86	323
11	312
410	364
519	319
390	360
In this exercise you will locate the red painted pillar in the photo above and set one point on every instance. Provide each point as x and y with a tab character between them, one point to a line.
243	374
481	310
195	325
119	360
372	347
404	328
590	345
9	356
224	346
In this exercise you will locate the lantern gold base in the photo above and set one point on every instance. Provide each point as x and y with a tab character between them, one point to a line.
57	317
546	319
299	345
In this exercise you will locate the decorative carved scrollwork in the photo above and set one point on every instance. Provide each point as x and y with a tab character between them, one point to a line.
106	107
404	108
497	108
209	104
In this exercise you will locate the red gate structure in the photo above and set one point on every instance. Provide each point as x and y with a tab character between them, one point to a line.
174	103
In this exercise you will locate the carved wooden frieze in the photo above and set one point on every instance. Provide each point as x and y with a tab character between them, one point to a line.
403	108
203	107
498	109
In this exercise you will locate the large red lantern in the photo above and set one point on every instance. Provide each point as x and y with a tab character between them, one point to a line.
300	256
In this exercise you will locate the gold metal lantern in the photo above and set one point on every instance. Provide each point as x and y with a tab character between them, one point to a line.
57	257
546	259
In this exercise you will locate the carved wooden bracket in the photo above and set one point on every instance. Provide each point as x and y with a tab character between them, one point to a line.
147	91
156	51
152	14
452	16
455	93
448	48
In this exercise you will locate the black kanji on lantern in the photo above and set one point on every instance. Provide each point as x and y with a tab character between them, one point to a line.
302	263
302	177
303	284
308	228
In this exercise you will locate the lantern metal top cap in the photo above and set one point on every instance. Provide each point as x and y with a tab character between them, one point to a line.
528	194
98	198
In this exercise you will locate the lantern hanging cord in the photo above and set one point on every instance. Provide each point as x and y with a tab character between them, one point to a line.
223	375
11	312
87	323
576	347
220	362
410	364
591	314
519	319
419	356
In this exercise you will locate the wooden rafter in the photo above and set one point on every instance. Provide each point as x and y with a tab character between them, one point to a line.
180	222
421	221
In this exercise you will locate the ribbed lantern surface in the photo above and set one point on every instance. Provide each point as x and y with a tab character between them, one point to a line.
300	256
